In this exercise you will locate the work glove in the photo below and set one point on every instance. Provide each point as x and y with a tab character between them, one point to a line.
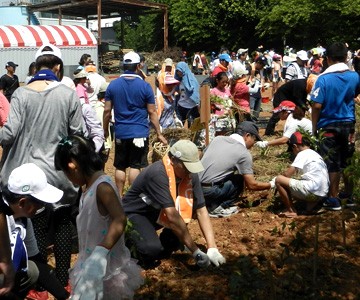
266	85
89	285
201	258
262	144
139	142
215	256
272	182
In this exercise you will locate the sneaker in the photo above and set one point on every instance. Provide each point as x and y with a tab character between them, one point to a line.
221	212
348	199
350	202
332	204
36	295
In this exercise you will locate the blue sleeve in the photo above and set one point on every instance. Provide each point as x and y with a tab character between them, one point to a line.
318	92
149	94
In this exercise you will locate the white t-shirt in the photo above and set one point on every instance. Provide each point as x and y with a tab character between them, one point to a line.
96	81
314	172
292	125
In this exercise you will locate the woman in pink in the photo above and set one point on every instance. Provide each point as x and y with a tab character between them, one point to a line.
80	79
221	91
240	91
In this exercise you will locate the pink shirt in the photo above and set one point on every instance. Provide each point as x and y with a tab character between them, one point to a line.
81	92
222	94
4	109
242	96
225	94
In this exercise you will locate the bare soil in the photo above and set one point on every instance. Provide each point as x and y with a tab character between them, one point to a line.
268	257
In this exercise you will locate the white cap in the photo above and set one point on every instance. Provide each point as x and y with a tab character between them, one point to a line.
131	58
302	55
242	50
81	74
55	51
29	179
239	70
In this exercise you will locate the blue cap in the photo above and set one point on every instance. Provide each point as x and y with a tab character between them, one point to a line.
225	57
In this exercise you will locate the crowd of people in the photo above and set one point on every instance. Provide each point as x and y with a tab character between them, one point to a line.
53	178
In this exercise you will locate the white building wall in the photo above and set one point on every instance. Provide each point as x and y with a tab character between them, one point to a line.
24	56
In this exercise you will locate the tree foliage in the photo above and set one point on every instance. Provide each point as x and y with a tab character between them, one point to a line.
210	24
306	23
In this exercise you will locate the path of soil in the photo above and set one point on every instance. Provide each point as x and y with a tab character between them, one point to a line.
310	257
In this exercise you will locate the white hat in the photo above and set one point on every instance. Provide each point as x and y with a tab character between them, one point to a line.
131	58
302	54
55	51
29	179
239	70
289	58
81	74
241	51
168	62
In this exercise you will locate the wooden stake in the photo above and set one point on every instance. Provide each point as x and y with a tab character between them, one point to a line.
316	247
205	110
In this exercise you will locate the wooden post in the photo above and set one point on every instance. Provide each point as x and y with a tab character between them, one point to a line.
60	15
205	110
166	30
99	21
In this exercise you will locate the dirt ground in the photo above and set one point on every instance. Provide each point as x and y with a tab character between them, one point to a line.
268	257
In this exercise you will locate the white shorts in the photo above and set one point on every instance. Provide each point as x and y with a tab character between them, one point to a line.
300	192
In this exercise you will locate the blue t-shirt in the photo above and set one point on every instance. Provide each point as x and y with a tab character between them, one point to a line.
130	96
336	92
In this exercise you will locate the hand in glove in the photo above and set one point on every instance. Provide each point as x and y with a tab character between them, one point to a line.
262	144
272	182
215	256
266	85
89	284
139	142
201	258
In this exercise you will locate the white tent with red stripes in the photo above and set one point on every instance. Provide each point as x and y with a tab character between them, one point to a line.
18	43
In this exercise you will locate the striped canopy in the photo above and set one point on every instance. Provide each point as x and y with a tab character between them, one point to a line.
37	35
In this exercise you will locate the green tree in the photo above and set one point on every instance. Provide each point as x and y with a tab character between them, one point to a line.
209	24
143	33
305	23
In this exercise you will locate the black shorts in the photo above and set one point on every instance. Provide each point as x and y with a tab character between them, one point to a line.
128	155
337	145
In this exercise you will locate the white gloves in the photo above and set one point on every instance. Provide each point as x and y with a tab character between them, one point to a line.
272	182
266	85
201	258
139	142
89	285
262	144
215	257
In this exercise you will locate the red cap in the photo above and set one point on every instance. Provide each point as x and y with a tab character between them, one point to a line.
296	138
285	105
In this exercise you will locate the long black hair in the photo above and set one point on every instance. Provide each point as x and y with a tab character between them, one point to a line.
81	150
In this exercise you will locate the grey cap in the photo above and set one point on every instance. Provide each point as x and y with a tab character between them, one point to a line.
249	127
